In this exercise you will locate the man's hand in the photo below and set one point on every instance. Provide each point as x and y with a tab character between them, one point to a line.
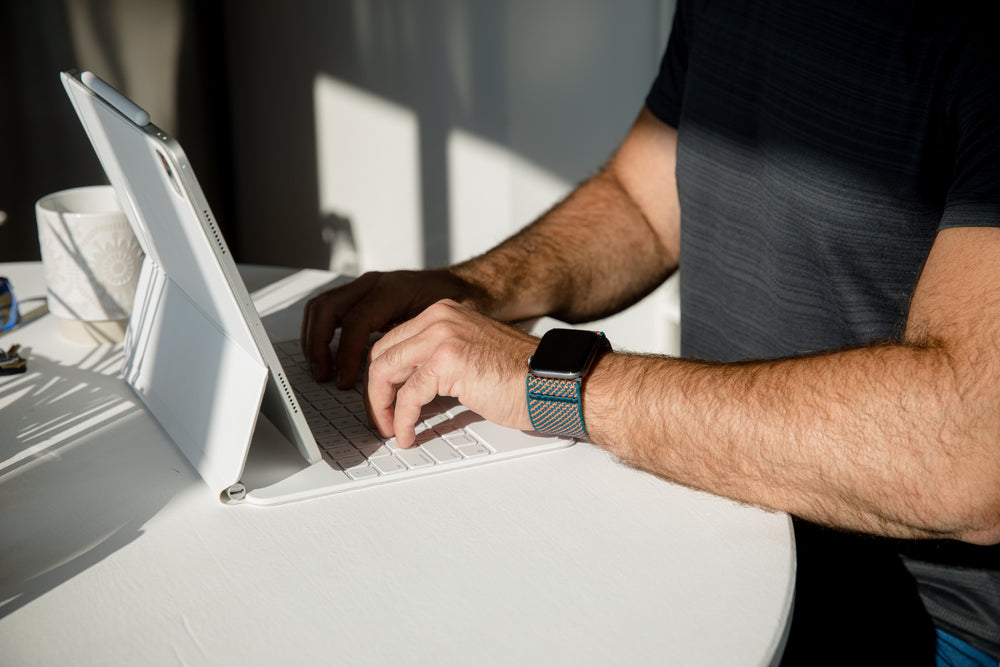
448	350
373	302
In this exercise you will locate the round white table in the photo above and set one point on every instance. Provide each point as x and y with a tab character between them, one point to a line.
113	551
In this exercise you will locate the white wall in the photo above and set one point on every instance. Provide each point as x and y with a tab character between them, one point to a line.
376	134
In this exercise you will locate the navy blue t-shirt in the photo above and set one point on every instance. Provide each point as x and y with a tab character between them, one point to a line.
821	146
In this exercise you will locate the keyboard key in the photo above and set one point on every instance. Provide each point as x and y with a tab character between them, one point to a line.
388	465
336	412
466	418
448	428
346	422
441	451
330	440
368	450
324	404
355	432
342	452
355	461
457	409
423	436
367	438
381	450
499	441
361	472
460	439
474	451
435	420
349	396
440	404
415	457
314	394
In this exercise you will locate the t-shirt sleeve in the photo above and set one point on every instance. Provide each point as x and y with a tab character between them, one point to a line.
667	92
973	117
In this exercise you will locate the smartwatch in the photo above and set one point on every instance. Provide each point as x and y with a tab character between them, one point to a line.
555	377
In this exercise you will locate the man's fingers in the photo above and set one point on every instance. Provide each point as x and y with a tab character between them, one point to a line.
419	389
322	316
392	368
318	326
356	330
363	306
350	351
415	361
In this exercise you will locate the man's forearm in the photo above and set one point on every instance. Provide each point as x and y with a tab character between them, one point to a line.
590	255
883	439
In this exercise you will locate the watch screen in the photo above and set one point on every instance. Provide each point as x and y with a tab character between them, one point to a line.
565	353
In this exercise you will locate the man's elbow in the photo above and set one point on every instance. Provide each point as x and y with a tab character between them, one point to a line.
962	494
968	477
976	519
985	530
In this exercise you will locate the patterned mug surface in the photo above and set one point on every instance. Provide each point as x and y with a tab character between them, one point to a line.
90	256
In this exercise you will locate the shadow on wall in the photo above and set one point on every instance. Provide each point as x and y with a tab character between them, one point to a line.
136	45
425	132
42	148
361	110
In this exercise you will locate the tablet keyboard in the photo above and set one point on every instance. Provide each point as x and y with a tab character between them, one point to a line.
339	422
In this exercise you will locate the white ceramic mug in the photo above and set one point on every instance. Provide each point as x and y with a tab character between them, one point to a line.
91	260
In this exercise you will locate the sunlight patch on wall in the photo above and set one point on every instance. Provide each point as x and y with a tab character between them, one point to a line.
492	192
368	165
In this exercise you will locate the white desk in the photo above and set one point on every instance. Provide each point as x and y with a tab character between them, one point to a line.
112	550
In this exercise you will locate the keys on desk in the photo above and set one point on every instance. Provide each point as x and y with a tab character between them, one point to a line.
340	426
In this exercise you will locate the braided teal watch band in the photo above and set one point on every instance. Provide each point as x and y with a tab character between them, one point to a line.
554	406
556	372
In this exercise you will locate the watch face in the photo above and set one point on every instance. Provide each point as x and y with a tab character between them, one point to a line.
565	354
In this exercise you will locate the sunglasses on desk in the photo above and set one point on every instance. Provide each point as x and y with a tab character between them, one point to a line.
10	314
11	362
